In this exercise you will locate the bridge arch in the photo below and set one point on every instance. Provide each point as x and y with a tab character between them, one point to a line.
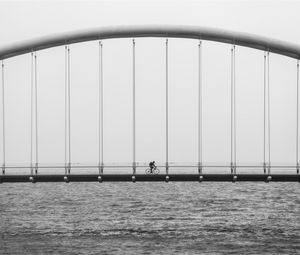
163	31
191	32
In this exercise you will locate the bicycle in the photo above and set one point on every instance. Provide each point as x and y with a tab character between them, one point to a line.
155	170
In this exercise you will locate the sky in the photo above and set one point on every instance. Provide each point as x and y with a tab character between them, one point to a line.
22	20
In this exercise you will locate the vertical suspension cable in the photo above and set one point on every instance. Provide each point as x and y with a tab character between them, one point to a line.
200	107
36	115
232	114
264	150
297	122
100	109
269	113
231	107
31	114
3	121
167	110
133	105
102	105
69	111
66	106
234	110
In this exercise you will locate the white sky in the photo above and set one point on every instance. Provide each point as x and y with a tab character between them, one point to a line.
21	20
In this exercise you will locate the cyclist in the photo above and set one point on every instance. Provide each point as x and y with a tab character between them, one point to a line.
152	166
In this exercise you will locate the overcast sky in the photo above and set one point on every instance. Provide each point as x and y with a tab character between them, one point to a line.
21	20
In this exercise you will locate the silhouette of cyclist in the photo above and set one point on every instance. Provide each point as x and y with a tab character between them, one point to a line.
152	166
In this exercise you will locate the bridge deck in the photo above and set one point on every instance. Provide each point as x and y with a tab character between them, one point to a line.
152	178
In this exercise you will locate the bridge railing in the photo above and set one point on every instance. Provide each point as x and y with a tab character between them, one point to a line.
174	168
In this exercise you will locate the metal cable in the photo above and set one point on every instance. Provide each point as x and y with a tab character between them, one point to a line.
66	104
3	121
200	107
269	115
231	89
36	115
133	103
264	157
297	123
100	109
234	109
232	112
31	114
69	110
99	105
167	113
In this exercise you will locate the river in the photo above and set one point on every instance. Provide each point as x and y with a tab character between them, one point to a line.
150	218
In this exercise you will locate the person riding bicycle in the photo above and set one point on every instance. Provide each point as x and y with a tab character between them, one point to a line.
152	166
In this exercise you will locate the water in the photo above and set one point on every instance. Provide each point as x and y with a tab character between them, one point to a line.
150	218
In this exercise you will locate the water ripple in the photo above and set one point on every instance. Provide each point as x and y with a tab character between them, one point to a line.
150	218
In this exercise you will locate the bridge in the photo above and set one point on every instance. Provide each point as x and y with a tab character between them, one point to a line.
102	171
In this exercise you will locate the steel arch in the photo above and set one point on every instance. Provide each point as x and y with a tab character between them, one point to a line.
190	32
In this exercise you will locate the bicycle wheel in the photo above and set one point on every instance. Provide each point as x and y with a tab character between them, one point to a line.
156	171
148	171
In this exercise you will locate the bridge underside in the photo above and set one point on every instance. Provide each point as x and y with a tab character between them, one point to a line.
152	178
